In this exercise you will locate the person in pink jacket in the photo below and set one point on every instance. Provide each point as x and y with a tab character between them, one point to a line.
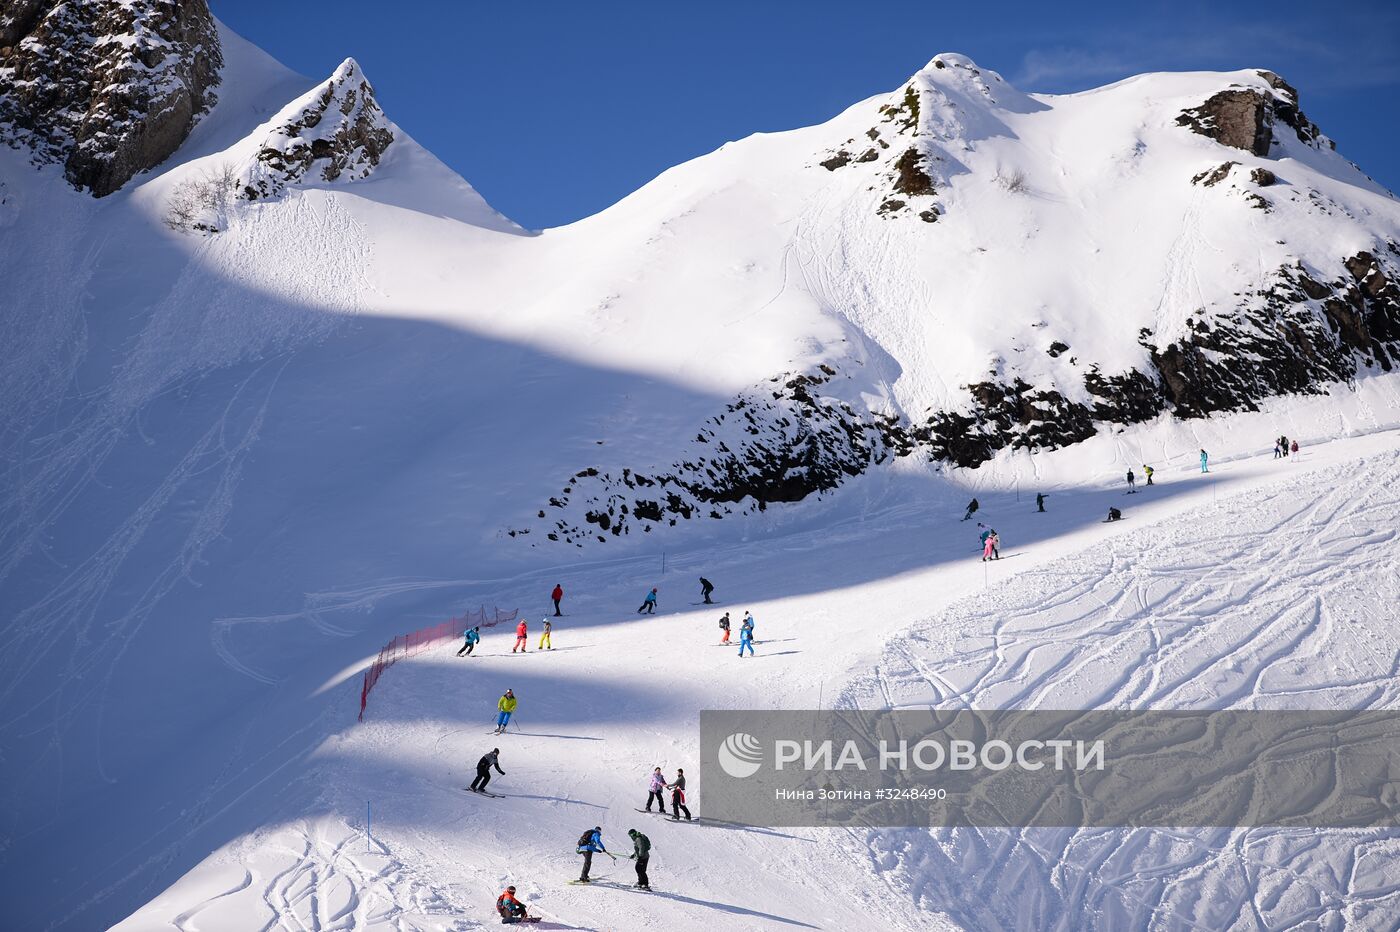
989	547
655	785
521	638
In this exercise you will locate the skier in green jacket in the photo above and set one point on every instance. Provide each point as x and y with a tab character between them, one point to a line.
641	853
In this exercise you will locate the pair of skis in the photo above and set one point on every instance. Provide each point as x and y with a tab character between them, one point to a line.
485	793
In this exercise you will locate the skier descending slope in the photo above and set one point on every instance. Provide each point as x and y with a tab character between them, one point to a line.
512	910
589	842
971	509
678	797
641	853
1148	471
655	784
1040	496
473	636
522	642
504	707
483	770
706	587
746	635
649	603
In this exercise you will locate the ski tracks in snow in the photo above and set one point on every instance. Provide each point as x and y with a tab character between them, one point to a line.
1279	598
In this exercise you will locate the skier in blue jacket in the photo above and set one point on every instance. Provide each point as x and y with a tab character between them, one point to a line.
648	604
746	635
1205	461
473	635
590	842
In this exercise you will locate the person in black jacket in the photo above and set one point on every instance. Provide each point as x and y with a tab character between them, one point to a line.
706	587
678	797
971	509
483	770
641	853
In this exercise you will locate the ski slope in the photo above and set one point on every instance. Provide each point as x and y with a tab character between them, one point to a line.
1263	585
233	465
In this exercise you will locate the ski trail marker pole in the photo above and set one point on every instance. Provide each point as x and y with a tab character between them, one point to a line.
368	849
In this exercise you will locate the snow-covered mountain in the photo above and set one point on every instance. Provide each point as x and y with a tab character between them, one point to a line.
278	384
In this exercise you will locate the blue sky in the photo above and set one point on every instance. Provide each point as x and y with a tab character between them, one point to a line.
555	110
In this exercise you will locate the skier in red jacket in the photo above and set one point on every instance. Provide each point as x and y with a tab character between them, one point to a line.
556	595
521	637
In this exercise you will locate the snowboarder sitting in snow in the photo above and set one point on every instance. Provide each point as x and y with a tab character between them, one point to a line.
504	706
649	603
971	509
589	842
483	770
511	909
706	587
724	626
641	853
1114	514
473	635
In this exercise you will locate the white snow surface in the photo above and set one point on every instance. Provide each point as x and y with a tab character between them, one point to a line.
232	466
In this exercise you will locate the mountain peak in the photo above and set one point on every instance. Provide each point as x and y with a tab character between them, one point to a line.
336	132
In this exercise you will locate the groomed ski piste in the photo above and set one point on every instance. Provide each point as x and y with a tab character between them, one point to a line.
233	465
1264	584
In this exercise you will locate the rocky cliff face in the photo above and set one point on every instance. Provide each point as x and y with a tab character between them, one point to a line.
338	134
108	88
1244	118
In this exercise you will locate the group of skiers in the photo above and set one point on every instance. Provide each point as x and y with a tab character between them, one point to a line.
745	632
1282	447
591	843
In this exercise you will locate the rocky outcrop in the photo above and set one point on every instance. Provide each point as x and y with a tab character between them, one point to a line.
903	177
781	444
339	135
1299	335
1244	117
108	88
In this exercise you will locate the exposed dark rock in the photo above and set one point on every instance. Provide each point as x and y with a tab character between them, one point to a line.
1234	118
910	176
1262	177
1244	117
840	160
1056	348
1211	177
929	216
891	205
70	92
340	135
869	155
